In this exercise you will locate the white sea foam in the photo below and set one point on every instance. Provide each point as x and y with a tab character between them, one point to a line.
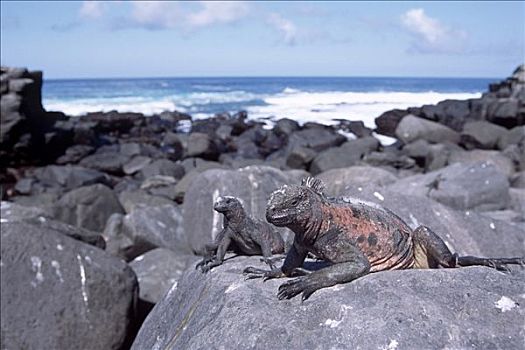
129	104
324	107
204	98
299	105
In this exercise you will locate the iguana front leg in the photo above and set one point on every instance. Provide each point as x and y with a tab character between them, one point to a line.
224	241
349	264
292	264
266	247
209	255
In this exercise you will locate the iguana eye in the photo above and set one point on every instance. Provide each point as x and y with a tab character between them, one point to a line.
295	202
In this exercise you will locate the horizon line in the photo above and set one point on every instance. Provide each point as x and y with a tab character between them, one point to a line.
269	77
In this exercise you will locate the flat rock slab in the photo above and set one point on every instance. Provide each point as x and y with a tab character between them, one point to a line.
337	181
413	309
157	271
87	207
144	229
59	293
479	186
12	212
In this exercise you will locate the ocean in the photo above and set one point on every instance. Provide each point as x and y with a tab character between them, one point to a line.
320	99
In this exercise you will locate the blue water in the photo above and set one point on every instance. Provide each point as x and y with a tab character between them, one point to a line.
299	98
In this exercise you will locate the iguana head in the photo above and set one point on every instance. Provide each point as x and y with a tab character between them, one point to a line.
225	204
292	205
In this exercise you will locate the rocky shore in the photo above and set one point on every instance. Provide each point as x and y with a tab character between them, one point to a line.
103	216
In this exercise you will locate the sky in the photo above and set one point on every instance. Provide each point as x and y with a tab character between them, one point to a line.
97	39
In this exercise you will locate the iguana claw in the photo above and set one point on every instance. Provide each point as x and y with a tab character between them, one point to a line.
252	273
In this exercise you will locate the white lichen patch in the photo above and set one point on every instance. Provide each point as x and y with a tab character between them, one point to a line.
36	266
2	220
42	219
492	226
232	287
333	323
56	266
253	181
60	247
505	304
83	280
379	196
161	224
391	346
215	221
172	289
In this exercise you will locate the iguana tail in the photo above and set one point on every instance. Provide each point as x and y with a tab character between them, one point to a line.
496	263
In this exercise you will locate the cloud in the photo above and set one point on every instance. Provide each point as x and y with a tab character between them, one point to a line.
430	35
156	14
92	9
215	12
286	28
173	15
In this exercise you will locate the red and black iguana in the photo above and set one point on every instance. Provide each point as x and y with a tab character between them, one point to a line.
355	237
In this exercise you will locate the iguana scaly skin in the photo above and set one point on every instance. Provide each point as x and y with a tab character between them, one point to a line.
355	237
242	234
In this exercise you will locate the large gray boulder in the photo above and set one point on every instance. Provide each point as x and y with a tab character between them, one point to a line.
135	164
201	145
88	207
338	181
413	309
59	293
502	162
108	162
477	186
163	167
131	199
27	132
482	134
157	271
69	177
514	136
412	128
144	229
317	138
346	155
253	185
13	212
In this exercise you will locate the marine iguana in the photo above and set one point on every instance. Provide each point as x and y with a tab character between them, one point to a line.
354	237
242	234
